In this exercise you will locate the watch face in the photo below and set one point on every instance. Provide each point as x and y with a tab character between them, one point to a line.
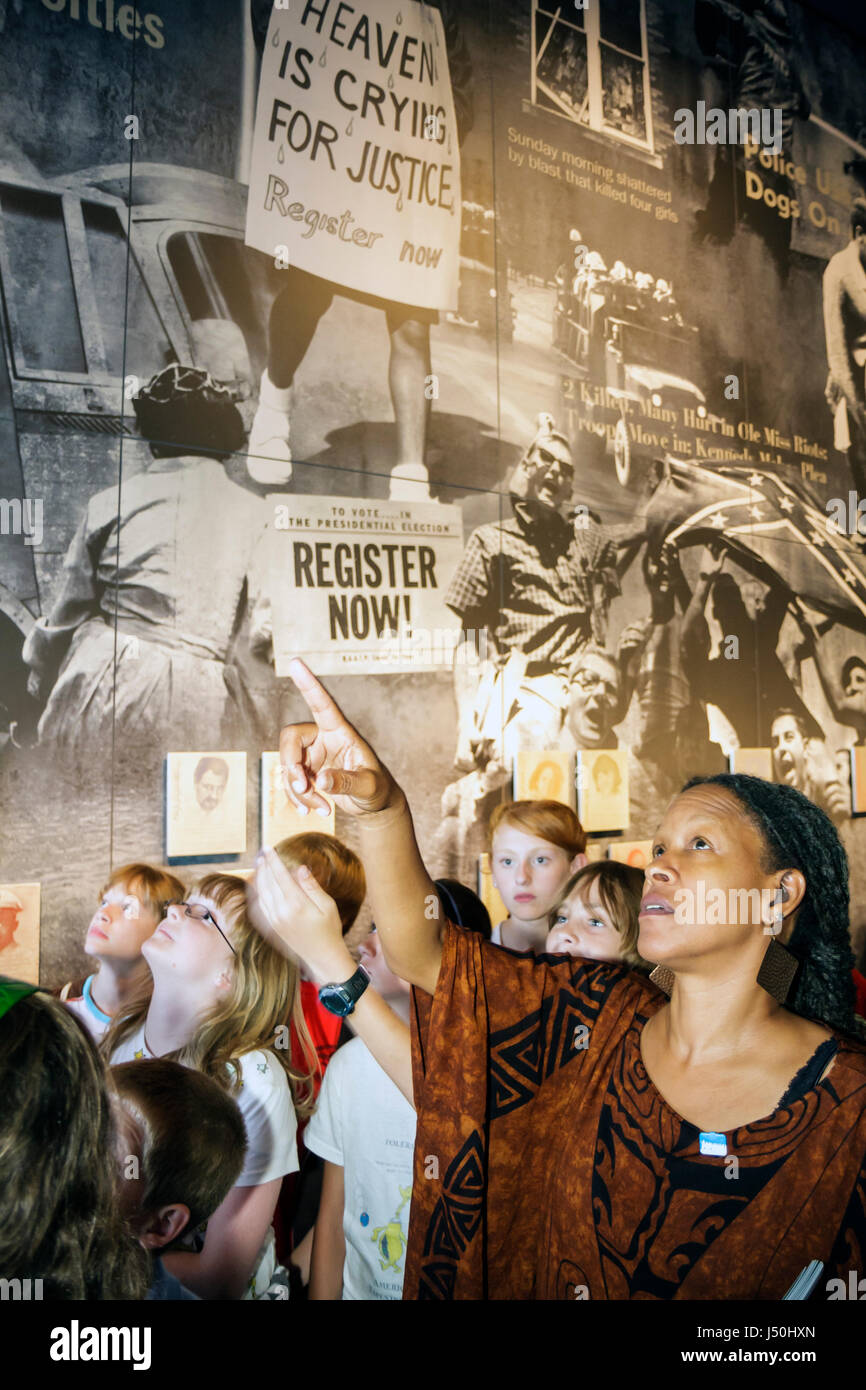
335	999
341	999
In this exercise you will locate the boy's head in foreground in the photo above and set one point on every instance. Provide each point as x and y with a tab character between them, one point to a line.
182	1143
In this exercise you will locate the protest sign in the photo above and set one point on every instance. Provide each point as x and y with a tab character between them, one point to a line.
355	172
360	587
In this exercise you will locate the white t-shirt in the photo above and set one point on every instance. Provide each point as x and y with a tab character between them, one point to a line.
365	1124
496	934
94	1020
265	1102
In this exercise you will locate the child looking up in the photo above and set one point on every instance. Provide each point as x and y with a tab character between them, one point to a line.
182	1147
534	846
597	917
221	1003
131	906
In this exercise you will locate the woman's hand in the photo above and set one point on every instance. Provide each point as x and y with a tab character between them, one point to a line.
330	756
297	917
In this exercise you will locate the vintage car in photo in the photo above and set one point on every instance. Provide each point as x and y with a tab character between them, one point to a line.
629	341
104	281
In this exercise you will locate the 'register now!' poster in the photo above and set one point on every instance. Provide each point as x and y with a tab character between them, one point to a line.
358	588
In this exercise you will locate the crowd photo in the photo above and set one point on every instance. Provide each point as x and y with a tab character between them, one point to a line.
433	620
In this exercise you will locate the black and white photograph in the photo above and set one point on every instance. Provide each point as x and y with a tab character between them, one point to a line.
602	790
419	420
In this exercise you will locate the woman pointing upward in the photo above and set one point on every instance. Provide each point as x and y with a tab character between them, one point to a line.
593	1137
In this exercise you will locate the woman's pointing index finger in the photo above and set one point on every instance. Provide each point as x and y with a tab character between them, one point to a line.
325	711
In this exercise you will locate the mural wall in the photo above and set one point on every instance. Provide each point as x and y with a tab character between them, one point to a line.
509	372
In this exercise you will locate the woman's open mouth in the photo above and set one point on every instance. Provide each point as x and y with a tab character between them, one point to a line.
651	905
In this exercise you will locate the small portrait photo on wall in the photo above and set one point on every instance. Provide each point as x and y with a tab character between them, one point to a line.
206	804
637	853
602	789
544	776
19	931
280	816
756	762
858	780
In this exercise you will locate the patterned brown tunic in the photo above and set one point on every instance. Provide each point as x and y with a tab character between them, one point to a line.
547	1165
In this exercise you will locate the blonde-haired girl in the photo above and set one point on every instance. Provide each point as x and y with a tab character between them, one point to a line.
222	1002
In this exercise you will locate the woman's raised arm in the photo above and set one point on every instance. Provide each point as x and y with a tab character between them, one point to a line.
329	755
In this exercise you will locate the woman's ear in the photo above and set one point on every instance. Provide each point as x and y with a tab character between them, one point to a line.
579	861
788	890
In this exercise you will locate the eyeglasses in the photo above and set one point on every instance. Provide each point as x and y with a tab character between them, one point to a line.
591	683
199	913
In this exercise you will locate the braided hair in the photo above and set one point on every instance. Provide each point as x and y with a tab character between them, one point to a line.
797	834
183	410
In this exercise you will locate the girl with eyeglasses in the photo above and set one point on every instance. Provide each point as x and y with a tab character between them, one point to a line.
222	1000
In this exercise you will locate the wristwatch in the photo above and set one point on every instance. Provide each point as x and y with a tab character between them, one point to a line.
341	999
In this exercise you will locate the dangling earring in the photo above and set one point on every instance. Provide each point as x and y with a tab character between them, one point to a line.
777	971
664	978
